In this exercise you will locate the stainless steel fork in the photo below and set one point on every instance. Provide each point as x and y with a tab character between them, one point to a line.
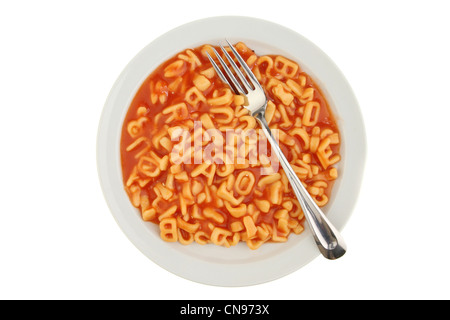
326	236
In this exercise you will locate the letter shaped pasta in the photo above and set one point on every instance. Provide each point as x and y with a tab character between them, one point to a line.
194	160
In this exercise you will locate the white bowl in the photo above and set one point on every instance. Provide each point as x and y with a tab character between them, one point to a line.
238	265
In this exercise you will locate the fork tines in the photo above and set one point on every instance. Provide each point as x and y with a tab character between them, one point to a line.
239	87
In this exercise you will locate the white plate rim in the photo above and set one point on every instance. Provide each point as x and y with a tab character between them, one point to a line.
222	268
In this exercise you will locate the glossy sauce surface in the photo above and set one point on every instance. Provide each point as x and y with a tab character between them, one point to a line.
146	119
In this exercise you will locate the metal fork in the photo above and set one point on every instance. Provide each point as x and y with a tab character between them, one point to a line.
326	236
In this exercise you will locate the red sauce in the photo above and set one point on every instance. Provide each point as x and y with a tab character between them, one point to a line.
160	84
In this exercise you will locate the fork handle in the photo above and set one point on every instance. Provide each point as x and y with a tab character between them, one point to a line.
327	237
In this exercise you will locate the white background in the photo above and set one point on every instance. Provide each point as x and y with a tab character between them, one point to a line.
58	61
